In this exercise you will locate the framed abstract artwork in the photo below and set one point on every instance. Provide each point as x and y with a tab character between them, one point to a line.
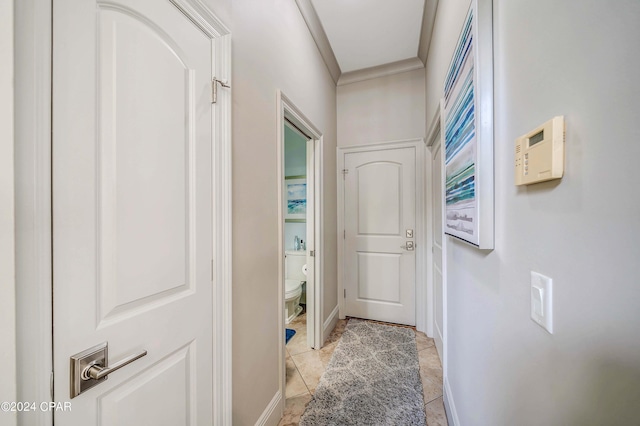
468	131
296	198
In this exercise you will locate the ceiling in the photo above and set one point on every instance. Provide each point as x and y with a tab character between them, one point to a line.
369	33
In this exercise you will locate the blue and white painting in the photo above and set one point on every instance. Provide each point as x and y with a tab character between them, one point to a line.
296	199
460	140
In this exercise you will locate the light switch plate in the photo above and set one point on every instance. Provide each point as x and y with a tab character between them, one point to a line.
542	301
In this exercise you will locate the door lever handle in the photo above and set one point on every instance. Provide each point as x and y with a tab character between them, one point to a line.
97	372
91	367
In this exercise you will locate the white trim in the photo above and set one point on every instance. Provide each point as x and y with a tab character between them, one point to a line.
267	416
380	71
33	205
449	405
330	323
315	296
203	17
445	243
434	128
310	16
222	250
428	21
421	288
8	390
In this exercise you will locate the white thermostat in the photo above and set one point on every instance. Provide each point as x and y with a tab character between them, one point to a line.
540	153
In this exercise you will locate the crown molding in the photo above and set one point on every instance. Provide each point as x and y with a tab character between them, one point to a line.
318	34
380	71
310	16
428	21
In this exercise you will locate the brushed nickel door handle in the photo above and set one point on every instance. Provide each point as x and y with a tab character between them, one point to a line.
91	367
97	372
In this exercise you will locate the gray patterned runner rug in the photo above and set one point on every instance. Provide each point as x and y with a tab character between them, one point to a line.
373	378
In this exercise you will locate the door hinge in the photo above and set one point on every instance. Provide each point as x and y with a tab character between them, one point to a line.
344	234
214	88
345	293
312	253
344	173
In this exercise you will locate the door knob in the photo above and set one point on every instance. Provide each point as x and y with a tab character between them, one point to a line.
409	246
90	367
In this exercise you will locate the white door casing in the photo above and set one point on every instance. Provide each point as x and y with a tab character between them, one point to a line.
436	267
379	209
133	219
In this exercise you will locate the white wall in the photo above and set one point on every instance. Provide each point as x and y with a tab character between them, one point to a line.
577	58
272	49
7	266
382	109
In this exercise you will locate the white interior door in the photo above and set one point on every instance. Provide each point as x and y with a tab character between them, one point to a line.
132	210
380	227
438	306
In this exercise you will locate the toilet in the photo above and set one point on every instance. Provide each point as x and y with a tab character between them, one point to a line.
295	266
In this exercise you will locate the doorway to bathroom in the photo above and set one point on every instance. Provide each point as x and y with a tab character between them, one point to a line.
300	236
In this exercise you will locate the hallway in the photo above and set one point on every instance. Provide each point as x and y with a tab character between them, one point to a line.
305	367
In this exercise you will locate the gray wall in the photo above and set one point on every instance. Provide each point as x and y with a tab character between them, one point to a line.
580	59
382	109
7	265
295	153
272	49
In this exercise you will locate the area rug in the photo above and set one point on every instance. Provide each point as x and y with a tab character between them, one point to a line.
373	378
288	334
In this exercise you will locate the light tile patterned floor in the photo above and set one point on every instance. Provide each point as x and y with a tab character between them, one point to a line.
305	367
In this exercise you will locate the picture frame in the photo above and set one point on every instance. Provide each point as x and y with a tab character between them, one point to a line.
295	190
468	131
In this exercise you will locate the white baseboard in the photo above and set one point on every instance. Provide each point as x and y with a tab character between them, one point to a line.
273	413
329	324
449	405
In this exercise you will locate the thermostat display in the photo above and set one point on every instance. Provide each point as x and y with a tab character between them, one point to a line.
540	153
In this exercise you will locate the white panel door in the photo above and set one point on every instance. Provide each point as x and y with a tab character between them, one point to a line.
438	306
132	210
379	210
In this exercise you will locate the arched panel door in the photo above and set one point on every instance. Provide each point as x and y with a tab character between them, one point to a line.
380	222
132	212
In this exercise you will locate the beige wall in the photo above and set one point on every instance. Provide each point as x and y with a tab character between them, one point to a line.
579	59
7	266
272	49
382	109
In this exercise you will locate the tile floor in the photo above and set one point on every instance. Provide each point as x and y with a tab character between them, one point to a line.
305	367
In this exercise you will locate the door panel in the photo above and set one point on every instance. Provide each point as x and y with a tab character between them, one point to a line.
379	203
141	393
132	209
145	161
379	192
436	180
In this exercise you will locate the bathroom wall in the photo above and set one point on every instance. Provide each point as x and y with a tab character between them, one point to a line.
295	164
295	153
272	49
580	59
382	109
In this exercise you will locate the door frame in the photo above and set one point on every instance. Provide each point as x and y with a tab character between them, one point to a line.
34	285
421	287
315	300
436	126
